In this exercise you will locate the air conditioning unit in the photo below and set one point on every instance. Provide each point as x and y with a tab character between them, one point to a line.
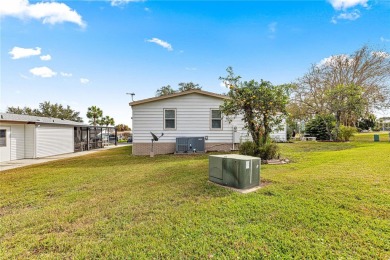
190	144
233	170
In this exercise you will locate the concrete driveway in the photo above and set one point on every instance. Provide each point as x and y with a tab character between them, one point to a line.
26	162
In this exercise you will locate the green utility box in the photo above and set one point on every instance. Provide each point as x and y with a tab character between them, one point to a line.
376	138
233	170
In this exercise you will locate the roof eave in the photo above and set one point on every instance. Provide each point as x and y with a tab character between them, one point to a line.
194	91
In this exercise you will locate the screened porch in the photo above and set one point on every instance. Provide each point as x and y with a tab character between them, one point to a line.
94	137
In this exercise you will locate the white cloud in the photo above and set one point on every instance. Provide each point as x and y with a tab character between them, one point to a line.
64	74
162	43
352	16
345	4
45	57
334	59
18	53
272	27
191	68
47	12
23	76
43	72
383	39
84	81
381	54
123	2
223	84
147	9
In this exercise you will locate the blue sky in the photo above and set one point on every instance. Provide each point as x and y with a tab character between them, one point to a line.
84	53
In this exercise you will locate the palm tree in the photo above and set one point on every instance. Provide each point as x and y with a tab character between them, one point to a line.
107	120
93	114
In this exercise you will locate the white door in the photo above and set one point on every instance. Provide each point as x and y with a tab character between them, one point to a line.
5	146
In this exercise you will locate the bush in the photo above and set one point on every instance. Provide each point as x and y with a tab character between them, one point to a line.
316	127
265	152
346	132
269	151
248	148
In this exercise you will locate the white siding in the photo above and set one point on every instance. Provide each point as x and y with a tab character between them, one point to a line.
280	135
193	115
53	140
29	141
5	151
17	142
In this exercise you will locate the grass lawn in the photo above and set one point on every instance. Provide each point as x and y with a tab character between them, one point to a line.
331	201
369	137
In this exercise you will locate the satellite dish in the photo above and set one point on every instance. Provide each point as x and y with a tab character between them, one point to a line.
155	138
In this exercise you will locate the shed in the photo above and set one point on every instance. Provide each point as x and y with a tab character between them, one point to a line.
29	137
26	137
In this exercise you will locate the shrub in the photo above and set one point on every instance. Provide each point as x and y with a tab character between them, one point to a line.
346	132
269	151
248	148
317	127
266	151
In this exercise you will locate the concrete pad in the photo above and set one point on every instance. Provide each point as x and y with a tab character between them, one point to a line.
26	162
242	191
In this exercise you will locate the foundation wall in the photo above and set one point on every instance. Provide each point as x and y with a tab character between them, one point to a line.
167	148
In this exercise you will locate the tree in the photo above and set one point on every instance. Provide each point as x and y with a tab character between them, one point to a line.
93	114
262	105
122	127
185	86
46	109
345	100
22	111
346	86
321	127
165	90
367	123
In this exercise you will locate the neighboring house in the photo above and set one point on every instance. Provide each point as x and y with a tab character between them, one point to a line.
193	113
384	123
124	135
28	137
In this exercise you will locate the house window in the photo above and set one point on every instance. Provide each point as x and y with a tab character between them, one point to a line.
216	119
169	118
3	139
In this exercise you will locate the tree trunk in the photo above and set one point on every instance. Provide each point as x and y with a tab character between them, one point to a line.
338	118
267	131
327	128
251	126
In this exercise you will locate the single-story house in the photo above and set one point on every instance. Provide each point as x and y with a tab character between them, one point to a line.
28	137
191	114
384	123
